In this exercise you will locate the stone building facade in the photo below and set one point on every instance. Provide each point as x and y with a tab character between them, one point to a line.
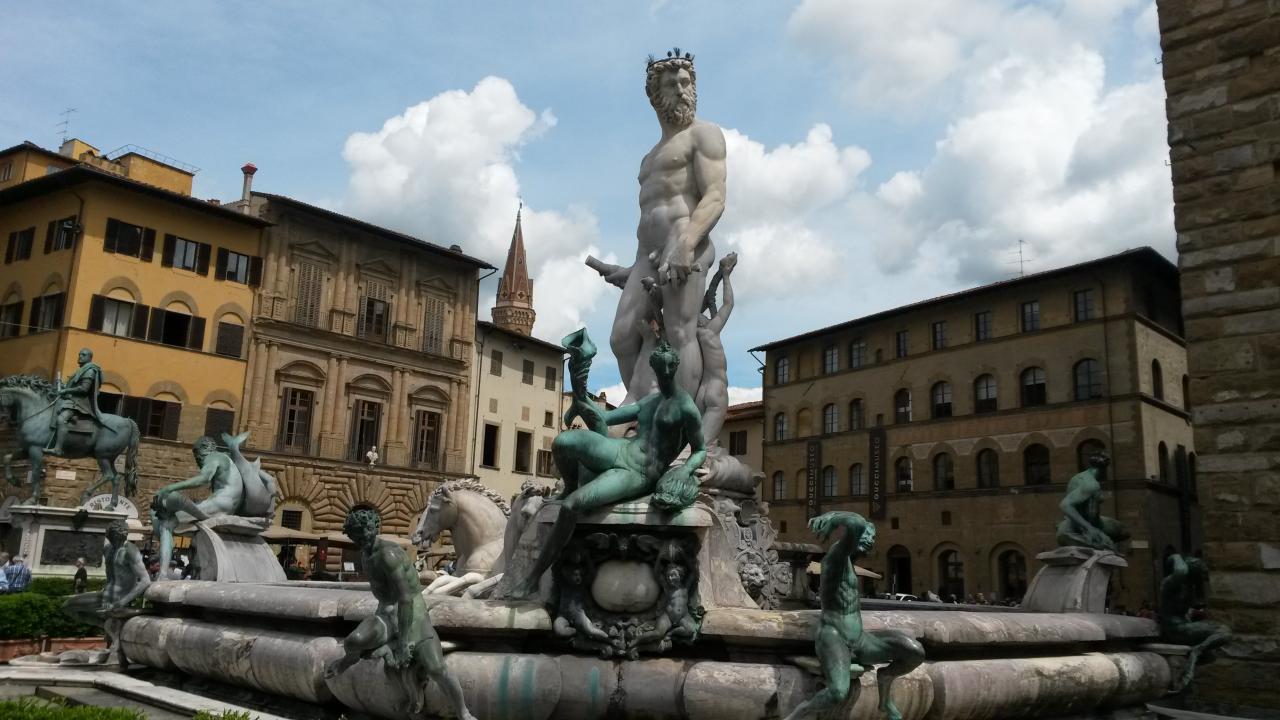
743	433
362	337
1222	73
955	423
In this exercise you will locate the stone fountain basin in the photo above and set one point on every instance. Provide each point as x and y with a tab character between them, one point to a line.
748	663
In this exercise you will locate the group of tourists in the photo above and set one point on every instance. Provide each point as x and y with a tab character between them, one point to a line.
15	576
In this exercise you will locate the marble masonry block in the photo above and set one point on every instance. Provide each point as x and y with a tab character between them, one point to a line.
587	687
1073	580
229	550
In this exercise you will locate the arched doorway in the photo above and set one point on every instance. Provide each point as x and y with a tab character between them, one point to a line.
899	569
951	575
1011	578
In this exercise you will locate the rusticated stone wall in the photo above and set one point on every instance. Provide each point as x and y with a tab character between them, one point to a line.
1222	74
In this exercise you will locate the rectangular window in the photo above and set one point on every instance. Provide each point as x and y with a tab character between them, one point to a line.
982	326
291	519
46	312
230	339
489	450
546	464
1083	301
109	402
366	422
19	247
552	382
945	519
426	439
857	353
239	268
1031	316
124	238
738	442
6	171
940	335
218	421
309	287
373	320
527	376
60	235
185	254
856	419
495	363
155	418
524	451
176	329
11	319
830	359
433	327
548	419
117	317
295	420
901	344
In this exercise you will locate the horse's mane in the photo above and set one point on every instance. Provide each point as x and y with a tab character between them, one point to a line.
476	487
34	383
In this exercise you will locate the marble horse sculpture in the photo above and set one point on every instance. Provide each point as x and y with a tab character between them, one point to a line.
32	406
477	519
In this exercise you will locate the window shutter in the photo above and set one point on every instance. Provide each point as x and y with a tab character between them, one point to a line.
60	303
33	325
8	249
310	280
138	328
72	226
131	408
433	327
113	232
17	325
218	421
195	338
220	273
172	417
48	236
148	245
255	271
202	259
96	312
155	330
230	339
364	311
166	255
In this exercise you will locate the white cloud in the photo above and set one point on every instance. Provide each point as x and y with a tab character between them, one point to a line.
742	395
445	170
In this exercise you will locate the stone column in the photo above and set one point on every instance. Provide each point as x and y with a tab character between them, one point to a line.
269	400
396	449
258	363
333	443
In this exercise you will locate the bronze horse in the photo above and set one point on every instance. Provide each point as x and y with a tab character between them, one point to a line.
27	402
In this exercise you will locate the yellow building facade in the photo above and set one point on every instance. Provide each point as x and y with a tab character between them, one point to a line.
114	255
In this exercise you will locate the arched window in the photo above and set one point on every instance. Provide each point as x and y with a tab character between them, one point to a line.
1012	566
1035	465
830	419
1157	380
1162	455
829	481
902	406
1186	393
779	486
902	473
941	395
951	572
1086	450
782	371
1088	376
856	419
984	394
780	429
944	472
988	467
1033	387
857	484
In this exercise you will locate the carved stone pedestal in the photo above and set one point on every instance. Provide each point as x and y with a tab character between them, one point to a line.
53	537
1074	579
229	549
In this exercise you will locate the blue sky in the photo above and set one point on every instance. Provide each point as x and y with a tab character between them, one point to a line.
880	151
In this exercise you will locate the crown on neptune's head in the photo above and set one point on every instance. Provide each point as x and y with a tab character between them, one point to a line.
673	58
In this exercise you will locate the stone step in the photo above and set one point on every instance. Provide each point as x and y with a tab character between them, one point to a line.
98	698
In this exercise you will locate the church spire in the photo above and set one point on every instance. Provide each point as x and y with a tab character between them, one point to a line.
514	309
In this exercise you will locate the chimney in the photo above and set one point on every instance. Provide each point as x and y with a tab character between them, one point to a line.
249	169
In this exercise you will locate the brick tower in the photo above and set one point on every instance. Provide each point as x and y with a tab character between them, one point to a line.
514	309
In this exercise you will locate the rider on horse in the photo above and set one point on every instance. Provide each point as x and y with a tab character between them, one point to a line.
78	397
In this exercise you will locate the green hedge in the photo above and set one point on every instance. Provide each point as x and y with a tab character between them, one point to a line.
60	586
32	615
34	709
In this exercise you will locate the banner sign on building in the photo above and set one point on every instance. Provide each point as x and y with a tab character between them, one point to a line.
879	494
813	465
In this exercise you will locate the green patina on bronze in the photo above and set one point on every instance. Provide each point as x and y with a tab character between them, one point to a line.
845	651
1176	625
127	578
1084	524
400	631
600	470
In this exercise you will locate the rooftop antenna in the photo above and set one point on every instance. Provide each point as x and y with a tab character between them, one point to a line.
66	123
1022	259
